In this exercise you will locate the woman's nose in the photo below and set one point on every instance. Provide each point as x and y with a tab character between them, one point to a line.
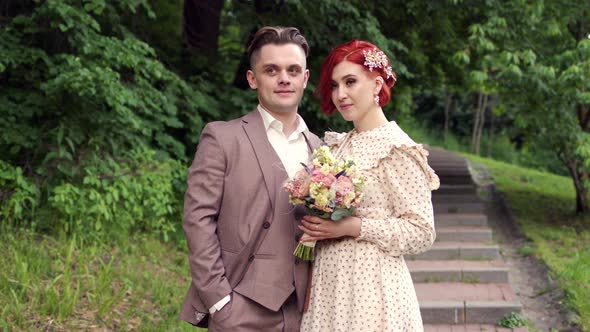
341	94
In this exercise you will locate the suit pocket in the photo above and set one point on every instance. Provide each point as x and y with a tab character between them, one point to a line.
224	313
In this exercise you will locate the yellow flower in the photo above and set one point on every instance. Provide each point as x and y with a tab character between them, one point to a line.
347	199
325	169
296	201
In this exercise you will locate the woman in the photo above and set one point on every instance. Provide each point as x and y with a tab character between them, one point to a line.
360	280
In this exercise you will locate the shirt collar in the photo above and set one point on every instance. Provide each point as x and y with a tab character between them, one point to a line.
269	121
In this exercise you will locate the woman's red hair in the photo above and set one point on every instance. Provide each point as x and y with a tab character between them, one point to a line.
351	51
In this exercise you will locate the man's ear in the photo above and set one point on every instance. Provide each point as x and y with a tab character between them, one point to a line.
251	79
306	77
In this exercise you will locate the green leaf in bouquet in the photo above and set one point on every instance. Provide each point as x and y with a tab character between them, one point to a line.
319	213
341	213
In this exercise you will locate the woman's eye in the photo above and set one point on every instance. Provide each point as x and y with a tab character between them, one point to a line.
350	82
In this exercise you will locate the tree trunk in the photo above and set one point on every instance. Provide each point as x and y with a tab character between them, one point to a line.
580	173
201	24
491	136
448	101
476	122
482	118
579	178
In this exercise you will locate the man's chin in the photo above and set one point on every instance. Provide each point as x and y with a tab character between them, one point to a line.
284	108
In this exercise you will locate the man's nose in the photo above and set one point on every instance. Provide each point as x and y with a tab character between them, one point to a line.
284	77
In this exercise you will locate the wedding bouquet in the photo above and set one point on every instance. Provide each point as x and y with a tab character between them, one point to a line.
328	188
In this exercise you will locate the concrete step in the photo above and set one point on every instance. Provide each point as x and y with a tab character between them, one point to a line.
464	303
457	188
458	271
452	179
474	251
451	167
464	233
471	328
459	207
454	198
452	170
460	219
440	155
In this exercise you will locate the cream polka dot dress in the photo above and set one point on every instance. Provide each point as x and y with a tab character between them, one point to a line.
363	284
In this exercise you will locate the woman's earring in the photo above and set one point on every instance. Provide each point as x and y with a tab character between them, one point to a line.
376	99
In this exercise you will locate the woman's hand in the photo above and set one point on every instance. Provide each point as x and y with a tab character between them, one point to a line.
320	229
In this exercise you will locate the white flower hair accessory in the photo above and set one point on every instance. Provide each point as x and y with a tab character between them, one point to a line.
377	59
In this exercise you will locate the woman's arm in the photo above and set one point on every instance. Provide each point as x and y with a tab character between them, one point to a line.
410	229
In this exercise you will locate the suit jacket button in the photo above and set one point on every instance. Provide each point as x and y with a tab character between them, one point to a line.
266	225
251	258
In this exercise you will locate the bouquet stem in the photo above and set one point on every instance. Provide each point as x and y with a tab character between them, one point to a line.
305	250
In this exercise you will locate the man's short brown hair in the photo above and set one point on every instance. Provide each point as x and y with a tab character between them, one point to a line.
278	36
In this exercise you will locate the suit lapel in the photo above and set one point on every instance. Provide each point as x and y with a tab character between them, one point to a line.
271	166
311	144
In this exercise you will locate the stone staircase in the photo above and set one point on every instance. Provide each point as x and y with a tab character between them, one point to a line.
461	282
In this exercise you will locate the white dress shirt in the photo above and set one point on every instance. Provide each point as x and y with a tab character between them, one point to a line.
292	151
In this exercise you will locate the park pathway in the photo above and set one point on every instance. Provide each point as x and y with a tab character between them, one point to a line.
462	281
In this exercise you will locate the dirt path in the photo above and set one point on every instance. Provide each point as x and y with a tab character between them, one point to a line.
541	298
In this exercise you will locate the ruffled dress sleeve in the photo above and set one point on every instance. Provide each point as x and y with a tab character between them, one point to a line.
333	139
407	181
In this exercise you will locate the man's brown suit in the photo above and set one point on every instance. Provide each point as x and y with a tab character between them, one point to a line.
241	229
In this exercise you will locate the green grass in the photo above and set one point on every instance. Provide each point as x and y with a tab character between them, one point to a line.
512	320
65	284
544	204
526	250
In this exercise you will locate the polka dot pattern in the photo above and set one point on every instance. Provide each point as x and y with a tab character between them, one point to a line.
363	284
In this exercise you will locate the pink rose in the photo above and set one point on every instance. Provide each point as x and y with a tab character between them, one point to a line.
318	177
299	186
343	186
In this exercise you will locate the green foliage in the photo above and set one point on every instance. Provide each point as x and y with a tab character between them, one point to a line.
539	53
535	155
117	197
78	82
94	127
526	250
85	82
18	195
512	320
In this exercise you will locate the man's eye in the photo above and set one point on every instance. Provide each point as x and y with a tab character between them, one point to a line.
270	71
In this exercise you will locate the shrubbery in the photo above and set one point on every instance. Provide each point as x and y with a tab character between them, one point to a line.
139	194
18	195
93	127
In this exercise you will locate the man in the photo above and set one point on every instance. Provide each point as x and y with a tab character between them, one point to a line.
240	228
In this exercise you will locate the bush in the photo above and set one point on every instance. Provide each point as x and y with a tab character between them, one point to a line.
116	198
18	196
